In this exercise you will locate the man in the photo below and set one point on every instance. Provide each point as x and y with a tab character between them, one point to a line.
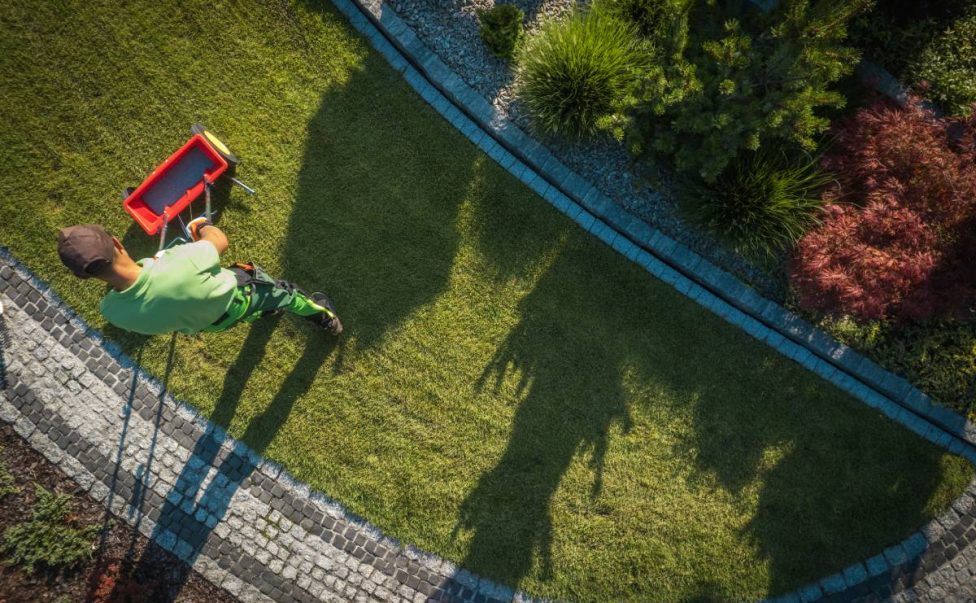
184	288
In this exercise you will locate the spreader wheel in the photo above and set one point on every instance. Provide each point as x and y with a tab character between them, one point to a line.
217	144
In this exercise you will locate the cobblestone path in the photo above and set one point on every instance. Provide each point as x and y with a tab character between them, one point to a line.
235	517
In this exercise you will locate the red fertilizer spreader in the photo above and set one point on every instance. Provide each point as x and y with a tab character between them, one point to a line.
178	182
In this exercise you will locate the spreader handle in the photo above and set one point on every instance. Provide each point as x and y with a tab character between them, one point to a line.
247	189
162	233
206	197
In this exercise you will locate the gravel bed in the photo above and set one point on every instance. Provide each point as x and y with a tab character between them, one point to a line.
450	29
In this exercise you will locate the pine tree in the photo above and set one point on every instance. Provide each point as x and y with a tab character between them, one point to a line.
743	79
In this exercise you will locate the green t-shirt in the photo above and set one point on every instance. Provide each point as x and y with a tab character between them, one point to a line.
184	290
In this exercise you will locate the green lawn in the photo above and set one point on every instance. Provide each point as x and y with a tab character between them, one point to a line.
510	393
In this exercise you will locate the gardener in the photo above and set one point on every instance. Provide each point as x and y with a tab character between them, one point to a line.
184	288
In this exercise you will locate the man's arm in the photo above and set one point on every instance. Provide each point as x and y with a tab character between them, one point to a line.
201	229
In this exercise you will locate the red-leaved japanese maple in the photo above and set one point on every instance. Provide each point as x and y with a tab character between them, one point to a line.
898	229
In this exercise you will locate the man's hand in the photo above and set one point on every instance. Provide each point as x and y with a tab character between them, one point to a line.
196	224
202	229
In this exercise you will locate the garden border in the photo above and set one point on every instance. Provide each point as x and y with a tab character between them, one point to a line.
665	258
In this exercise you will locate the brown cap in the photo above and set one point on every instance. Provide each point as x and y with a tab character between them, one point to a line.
85	248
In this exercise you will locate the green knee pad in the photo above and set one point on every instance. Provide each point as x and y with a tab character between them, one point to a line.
303	306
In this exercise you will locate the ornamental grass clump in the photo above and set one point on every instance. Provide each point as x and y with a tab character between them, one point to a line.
898	236
948	65
501	29
761	205
576	72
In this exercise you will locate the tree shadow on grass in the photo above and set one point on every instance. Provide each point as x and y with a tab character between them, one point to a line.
846	483
566	377
563	413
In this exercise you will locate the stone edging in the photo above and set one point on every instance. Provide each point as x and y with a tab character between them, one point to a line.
663	257
237	518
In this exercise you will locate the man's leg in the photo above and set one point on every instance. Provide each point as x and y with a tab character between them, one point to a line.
283	296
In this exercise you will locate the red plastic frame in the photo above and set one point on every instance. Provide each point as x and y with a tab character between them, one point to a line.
140	211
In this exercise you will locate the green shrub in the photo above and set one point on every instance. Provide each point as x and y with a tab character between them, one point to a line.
760	205
744	79
657	21
575	72
895	32
49	538
938	357
948	64
7	484
501	28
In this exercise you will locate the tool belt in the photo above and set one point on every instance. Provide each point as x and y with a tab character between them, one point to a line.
248	276
251	274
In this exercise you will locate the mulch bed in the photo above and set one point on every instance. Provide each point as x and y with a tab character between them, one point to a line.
125	566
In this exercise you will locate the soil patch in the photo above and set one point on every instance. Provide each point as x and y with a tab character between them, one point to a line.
125	567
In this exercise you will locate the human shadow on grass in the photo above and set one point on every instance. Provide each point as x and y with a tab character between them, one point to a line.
373	222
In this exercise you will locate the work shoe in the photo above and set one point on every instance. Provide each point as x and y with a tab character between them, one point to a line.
331	323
